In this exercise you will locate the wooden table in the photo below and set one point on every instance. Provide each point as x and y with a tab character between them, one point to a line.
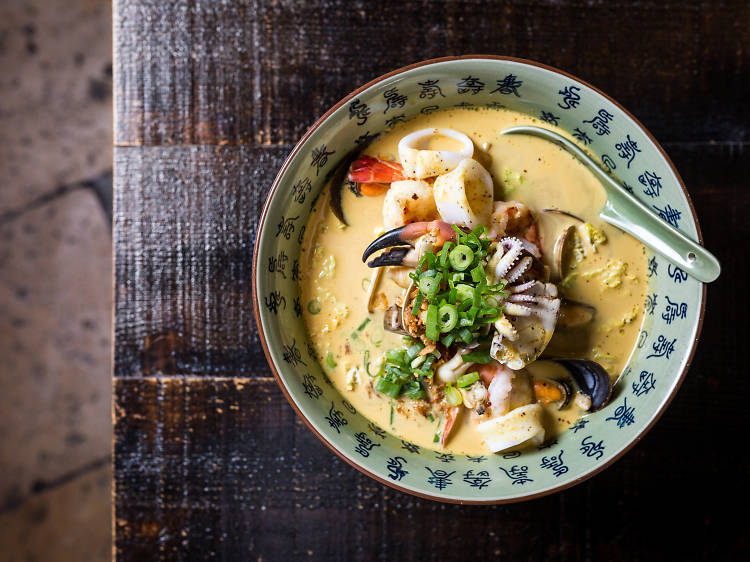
210	460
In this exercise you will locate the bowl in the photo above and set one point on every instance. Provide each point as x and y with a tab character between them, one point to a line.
674	305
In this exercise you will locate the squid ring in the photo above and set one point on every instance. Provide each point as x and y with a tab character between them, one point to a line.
422	163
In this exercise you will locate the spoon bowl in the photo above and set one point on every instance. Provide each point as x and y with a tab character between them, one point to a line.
626	212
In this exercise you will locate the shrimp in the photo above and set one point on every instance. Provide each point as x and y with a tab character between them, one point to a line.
510	218
408	201
508	389
368	169
516	418
450	420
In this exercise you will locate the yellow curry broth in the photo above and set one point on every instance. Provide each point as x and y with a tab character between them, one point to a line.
526	169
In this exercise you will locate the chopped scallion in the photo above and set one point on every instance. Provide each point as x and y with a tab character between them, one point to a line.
417	304
444	253
480	356
330	361
461	257
453	396
366	361
432	329
467	380
387	387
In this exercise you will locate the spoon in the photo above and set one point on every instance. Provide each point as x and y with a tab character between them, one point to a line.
627	213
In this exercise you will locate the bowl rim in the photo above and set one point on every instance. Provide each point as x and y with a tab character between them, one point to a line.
264	343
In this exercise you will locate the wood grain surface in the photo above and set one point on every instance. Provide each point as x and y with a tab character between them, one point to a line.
210	460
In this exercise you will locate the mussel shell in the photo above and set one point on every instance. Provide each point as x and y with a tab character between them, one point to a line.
564	213
575	314
337	177
565	390
591	379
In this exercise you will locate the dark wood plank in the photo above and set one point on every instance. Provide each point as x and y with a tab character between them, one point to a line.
256	72
184	227
222	468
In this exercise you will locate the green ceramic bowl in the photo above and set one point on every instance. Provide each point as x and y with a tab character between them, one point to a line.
674	306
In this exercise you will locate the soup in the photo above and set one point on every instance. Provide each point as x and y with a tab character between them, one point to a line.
488	313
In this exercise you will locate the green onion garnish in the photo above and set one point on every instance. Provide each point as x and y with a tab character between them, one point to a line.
465	335
479	356
447	318
432	329
415	391
478	275
461	257
414	350
467	380
330	361
417	303
448	340
444	253
366	361
453	395
364	323
464	293
429	284
387	387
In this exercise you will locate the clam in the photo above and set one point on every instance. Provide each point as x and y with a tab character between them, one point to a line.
558	251
392	320
398	318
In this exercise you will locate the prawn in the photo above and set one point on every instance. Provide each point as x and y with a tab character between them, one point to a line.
508	389
510	218
450	420
368	169
408	201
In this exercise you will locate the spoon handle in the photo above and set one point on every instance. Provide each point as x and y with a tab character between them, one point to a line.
670	243
627	213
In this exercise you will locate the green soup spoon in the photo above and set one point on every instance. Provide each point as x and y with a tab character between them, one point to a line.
627	213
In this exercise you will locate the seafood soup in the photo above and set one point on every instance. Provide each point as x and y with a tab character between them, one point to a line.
460	289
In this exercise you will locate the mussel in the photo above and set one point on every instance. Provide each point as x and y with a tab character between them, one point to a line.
591	379
551	391
588	377
338	178
574	314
